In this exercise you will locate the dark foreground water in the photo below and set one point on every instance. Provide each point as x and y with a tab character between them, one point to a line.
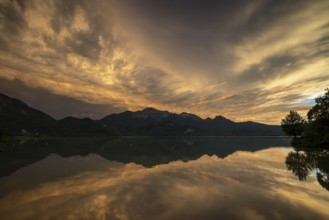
162	178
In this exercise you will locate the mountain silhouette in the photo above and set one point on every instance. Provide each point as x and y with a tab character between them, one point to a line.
21	119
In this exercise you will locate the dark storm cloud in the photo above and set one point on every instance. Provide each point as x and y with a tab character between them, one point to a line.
64	13
11	16
267	70
84	43
188	13
196	30
149	83
203	34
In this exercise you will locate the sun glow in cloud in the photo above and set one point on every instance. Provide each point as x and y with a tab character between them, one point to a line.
250	60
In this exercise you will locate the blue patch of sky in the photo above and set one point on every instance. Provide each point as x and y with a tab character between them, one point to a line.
310	102
305	102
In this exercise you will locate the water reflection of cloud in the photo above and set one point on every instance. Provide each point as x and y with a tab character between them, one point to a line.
241	186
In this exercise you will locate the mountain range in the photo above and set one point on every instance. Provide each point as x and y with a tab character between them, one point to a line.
18	118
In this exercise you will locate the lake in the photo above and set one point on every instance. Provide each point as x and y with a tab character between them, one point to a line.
162	178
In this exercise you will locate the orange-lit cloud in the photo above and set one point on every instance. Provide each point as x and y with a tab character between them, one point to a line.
250	60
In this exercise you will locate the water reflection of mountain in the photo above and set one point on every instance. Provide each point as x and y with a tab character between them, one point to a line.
302	162
145	151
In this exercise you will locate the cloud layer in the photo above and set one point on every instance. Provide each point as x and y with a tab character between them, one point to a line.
246	60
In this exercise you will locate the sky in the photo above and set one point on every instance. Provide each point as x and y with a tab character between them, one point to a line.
245	60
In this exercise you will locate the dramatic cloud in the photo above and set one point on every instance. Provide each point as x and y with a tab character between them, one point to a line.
257	185
247	60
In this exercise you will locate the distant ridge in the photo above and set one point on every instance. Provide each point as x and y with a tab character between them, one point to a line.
20	119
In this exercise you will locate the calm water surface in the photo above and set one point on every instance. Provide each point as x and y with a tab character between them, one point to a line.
162	178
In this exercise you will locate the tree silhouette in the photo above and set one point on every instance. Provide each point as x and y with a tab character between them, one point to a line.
298	163
317	130
323	180
320	112
304	161
293	124
323	168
